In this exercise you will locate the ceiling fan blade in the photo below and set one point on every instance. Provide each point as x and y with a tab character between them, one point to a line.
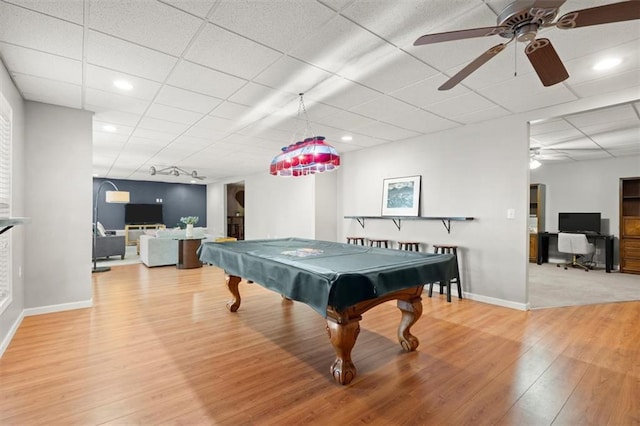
546	62
459	35
471	67
615	12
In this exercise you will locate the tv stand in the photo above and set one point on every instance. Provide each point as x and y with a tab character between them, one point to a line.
137	231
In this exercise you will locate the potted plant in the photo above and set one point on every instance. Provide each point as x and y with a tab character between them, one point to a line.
189	221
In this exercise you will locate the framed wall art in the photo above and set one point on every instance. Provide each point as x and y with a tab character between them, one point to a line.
401	196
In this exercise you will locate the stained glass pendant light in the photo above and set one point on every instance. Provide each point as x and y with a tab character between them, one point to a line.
306	157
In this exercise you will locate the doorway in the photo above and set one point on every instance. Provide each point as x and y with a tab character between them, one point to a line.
235	210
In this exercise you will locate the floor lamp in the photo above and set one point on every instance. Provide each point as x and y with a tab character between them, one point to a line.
116	196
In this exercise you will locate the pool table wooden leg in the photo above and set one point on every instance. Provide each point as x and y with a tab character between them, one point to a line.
232	285
343	337
411	312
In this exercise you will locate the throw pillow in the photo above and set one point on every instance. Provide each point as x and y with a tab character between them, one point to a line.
101	230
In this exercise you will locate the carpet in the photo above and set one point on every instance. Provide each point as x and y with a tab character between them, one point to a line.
550	286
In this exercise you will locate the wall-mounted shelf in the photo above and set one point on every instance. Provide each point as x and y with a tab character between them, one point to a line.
7	223
397	220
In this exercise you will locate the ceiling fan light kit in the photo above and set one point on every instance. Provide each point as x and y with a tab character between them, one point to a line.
174	171
521	21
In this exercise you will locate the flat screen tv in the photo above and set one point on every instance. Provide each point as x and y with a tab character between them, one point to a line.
579	222
141	214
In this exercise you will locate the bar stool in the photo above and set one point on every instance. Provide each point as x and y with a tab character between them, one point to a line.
409	245
355	240
449	249
378	242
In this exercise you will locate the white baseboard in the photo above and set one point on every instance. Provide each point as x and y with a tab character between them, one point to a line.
483	299
7	339
58	308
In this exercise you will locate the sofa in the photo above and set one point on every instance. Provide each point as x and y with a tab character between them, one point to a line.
160	248
109	245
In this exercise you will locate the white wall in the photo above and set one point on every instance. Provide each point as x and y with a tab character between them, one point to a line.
277	207
12	315
58	146
326	190
586	186
460	177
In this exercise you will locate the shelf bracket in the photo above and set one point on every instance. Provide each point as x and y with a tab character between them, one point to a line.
447	225
360	221
397	222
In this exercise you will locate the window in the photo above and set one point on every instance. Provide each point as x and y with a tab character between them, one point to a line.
6	287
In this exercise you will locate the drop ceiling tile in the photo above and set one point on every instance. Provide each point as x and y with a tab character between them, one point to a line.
626	81
68	10
386	131
111	52
191	143
206	132
581	69
175	115
103	79
37	31
40	64
115	118
341	93
393	72
225	51
230	110
113	101
426	93
159	137
171	128
558	136
345	120
145	145
336	4
337	44
395	112
482	115
612	126
527	93
549	126
217	124
185	99
196	7
466	103
625	151
604	116
265	98
197	78
619	137
578	143
382	17
151	24
120	130
49	91
294	20
290	74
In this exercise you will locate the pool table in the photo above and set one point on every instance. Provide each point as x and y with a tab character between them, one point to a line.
340	281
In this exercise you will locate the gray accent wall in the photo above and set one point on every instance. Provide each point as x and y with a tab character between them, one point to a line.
178	200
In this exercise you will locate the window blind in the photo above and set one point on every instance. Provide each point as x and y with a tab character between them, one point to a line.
6	287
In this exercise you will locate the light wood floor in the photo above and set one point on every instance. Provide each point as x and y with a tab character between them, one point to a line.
159	346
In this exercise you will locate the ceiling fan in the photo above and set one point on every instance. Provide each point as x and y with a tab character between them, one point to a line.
521	21
174	171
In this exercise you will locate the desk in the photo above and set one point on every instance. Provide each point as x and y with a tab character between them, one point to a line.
340	281
543	247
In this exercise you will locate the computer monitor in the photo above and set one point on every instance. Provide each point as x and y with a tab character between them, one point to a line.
579	222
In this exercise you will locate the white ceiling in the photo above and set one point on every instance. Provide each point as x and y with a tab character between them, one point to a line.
215	82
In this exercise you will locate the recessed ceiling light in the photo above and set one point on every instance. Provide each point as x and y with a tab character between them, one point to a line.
193	181
347	138
123	85
606	64
109	128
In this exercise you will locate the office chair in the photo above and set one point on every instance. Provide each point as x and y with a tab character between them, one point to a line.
579	247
